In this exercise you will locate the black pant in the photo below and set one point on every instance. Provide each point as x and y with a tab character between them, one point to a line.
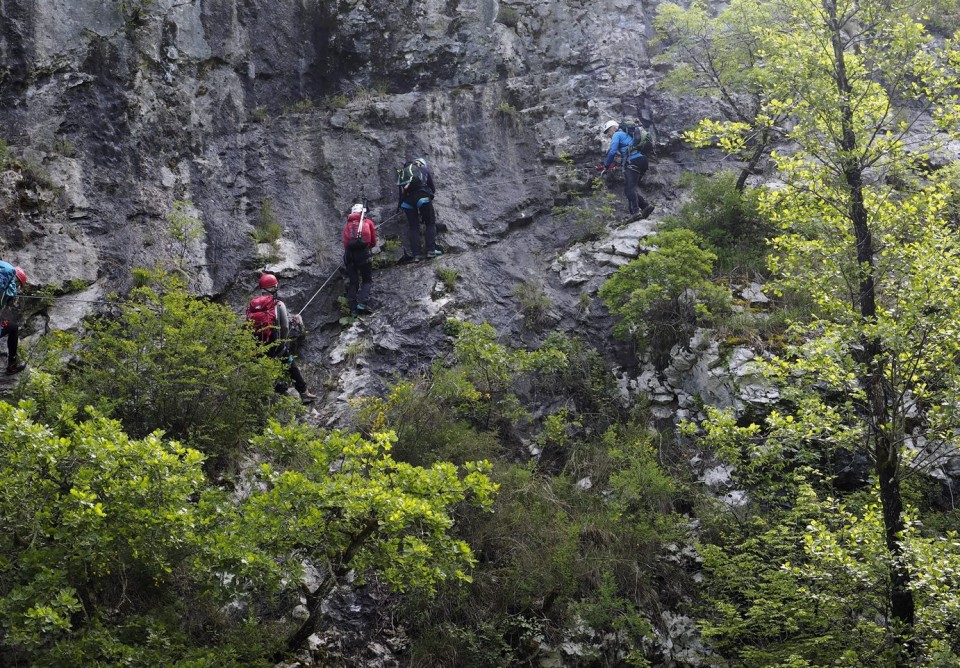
635	170
12	332
359	278
426	214
281	353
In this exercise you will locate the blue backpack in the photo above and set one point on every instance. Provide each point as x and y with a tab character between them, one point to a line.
8	283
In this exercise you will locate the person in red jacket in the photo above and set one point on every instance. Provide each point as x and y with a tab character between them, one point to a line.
359	239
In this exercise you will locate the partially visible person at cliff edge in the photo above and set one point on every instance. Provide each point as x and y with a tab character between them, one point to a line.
359	239
271	323
12	280
415	182
633	143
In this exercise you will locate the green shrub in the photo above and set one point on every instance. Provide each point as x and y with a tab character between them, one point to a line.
592	217
64	147
302	106
173	362
422	412
494	372
448	276
118	551
663	295
534	303
553	552
268	230
185	230
98	526
554	556
387	255
727	219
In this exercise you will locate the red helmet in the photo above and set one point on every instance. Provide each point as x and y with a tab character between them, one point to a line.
21	275
268	282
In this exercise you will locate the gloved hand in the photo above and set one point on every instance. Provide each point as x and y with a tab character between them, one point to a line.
376	250
601	168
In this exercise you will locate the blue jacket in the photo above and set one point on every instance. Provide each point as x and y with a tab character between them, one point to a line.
8	283
621	144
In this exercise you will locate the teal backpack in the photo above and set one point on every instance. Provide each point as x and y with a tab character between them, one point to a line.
642	138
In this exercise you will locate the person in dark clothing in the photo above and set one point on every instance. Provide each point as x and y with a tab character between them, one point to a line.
12	280
416	199
634	167
271	322
359	239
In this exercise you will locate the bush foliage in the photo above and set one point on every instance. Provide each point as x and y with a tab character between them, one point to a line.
664	295
167	361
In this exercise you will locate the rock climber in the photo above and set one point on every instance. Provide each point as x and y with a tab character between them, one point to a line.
634	161
271	323
415	183
12	280
359	240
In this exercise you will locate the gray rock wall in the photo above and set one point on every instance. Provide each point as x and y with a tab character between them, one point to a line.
123	108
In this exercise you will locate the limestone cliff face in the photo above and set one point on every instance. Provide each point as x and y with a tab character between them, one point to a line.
257	110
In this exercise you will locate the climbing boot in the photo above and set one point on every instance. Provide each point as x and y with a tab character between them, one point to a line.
16	367
307	397
647	210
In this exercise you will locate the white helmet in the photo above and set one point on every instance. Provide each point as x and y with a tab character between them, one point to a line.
420	162
357	208
610	124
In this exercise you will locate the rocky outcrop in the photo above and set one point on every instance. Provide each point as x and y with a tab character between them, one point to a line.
259	114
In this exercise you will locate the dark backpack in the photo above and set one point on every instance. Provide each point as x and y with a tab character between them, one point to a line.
642	138
410	178
262	314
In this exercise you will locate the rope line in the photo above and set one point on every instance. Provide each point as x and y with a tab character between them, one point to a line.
329	278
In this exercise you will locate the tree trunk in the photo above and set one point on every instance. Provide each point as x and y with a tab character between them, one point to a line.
881	423
758	153
338	568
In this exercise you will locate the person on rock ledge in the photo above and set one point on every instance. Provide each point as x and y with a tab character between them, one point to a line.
415	183
12	280
271	324
634	152
359	239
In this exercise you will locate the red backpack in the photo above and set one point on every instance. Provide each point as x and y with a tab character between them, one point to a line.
262	313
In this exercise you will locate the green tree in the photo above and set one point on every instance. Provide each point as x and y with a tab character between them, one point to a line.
185	229
799	574
96	525
718	57
119	551
869	96
168	361
344	504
